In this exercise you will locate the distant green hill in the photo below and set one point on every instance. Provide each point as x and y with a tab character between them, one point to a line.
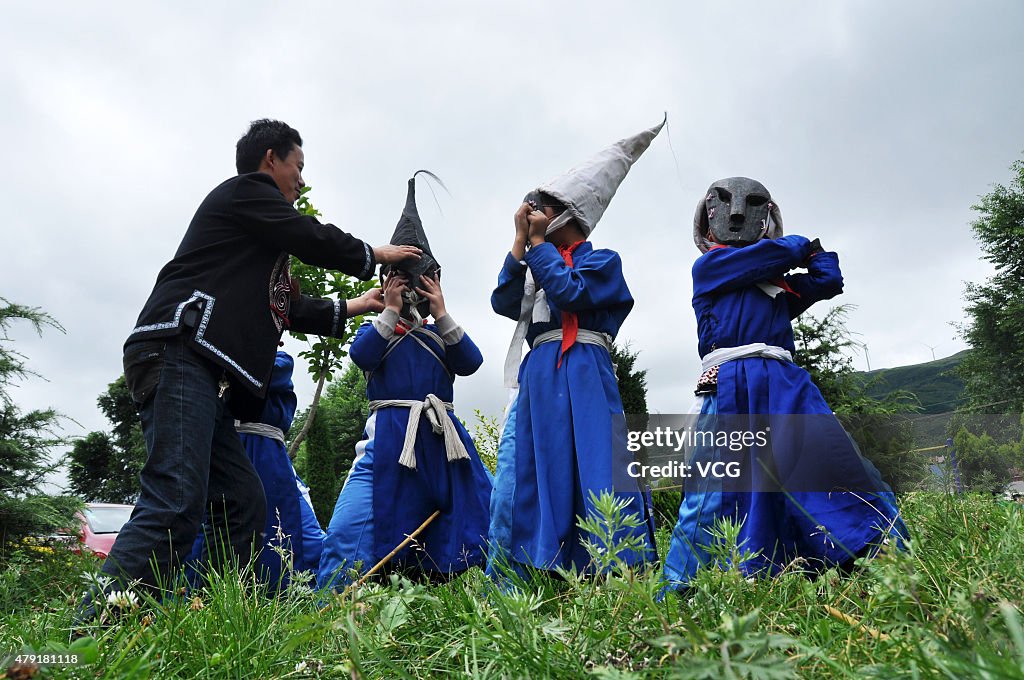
935	383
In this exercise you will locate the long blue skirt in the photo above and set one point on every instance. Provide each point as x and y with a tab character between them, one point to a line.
822	528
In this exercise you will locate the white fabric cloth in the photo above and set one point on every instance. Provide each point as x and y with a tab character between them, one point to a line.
528	310
770	289
559	222
435	411
583	335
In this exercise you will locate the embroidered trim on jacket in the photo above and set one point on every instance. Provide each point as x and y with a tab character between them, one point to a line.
337	318
210	346
367	270
281	291
200	331
173	323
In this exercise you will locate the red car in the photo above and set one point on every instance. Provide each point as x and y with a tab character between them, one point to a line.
100	524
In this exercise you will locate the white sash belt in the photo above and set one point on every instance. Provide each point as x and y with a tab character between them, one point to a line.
583	335
720	356
435	411
755	349
262	429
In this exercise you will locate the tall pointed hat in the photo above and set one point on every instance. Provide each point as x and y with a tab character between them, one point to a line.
587	189
409	232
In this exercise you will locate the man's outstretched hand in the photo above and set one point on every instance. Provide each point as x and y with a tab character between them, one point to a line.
394	254
370	301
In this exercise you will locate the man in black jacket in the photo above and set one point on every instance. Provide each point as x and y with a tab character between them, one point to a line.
202	352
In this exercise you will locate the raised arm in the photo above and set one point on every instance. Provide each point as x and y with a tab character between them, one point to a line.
594	283
319	316
461	354
367	349
726	268
822	281
371	341
261	210
507	298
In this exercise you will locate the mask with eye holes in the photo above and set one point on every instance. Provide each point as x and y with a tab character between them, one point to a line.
736	211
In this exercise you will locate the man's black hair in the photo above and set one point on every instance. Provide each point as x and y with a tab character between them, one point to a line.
264	134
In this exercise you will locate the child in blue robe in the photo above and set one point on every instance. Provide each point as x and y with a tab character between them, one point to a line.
835	507
564	430
415	456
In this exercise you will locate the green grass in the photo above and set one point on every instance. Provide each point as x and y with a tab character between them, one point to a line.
945	608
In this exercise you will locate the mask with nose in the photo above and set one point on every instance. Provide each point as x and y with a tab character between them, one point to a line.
736	211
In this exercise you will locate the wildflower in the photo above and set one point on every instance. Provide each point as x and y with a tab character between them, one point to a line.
197	604
101	581
147	620
123	599
301	667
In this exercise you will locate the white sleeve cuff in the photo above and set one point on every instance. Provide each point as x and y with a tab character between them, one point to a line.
451	332
385	323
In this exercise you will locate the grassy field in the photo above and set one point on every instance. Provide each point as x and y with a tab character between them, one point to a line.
948	607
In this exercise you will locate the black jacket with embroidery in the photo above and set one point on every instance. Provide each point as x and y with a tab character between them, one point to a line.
233	266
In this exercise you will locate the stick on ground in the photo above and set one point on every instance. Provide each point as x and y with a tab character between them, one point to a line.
407	541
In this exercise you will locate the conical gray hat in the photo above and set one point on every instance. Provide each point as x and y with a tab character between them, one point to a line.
586	190
409	232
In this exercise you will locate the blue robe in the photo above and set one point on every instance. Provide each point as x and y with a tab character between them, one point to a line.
557	442
291	524
382	502
822	527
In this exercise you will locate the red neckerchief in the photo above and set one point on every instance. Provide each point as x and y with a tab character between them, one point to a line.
570	324
780	281
401	328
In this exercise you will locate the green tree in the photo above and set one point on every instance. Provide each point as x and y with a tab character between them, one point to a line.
632	382
486	437
823	349
993	372
879	426
106	467
326	456
325	355
26	440
987	429
986	463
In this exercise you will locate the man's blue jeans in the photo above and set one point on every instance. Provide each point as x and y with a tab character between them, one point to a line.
196	463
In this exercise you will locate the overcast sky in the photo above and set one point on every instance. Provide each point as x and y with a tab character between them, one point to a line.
875	125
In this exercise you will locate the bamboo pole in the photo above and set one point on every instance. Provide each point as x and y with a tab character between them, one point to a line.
846	618
407	541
